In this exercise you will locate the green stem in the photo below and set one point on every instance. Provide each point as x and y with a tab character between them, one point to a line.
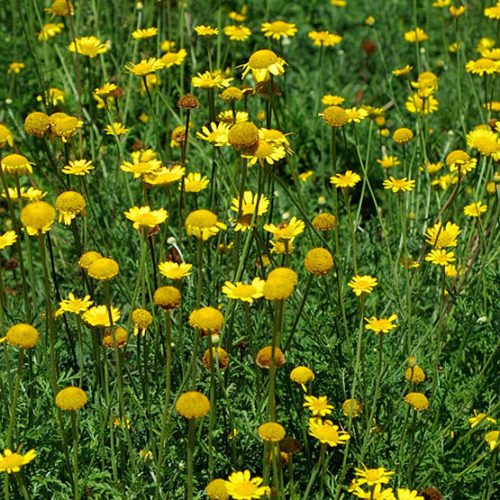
75	454
14	401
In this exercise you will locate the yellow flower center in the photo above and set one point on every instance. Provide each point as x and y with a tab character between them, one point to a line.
245	488
262	59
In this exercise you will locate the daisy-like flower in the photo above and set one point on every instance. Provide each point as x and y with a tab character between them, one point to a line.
443	181
172	58
362	284
407	494
89	46
332	100
246	292
264	151
50	30
116	128
356	114
227	116
399	185
319	407
140	167
203	224
381	325
30	194
241	486
484	140
74	305
209	80
145	66
145	217
388	161
493	12
483	66
402	71
78	167
442	237
432	168
248	207
287	230
16	164
6	136
475	209
263	64
12	461
15	67
69	204
327	433
7	239
492	438
237	33
303	176
99	316
144	33
206	31
371	477
195	182
479	418
374	493
106	90
415	104
148	82
216	134
278	29
416	35
440	257
52	97
346	180
165	175
324	38
441	3
174	270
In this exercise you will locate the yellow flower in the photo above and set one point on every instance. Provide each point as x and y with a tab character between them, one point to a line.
416	35
263	64
492	439
484	140
99	316
16	164
324	38
417	401
241	486
21	335
326	432
145	217
432	168
346	180
60	8
475	209
318	406
140	167
88	46
7	239
174	270
332	100
339	3
12	462
397	185
362	284
50	30
141	34
278	29
243	291
52	97
402	71
216	134
479	418
195	182
74	305
38	217
164	176
145	66
263	150
116	128
209	80
352	405
442	237
371	477
206	31
441	3
203	224
78	167
388	161
71	398
173	58
381	325
415	104
15	67
303	176
69	204
440	257
356	115
457	11
483	66
237	33
287	230
301	375
6	136
493	12
207	319
271	432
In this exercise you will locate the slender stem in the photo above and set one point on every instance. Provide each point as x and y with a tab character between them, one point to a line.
190	468
14	401
412	447
75	454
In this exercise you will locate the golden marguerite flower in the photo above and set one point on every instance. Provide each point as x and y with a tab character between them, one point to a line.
440	257
120	336
74	305
264	151
145	217
318	406
362	284
440	236
37	124
402	135
352	405
203	224
483	66
78	167
208	320
99	316
417	401
319	261
61	8
264	357
7	239
16	164
278	29
324	38
38	217
217	490
173	58
167	297
243	135
145	66
195	182
324	222
381	325
327	433
244	291
192	404
287	230
475	209
71	398
21	335
88	258
346	180
479	418
69	204
219	357
371	477
217	134
208	80
335	116
240	485
264	63
143	33
271	432
416	35
163	176
50	30
6	136
174	270
237	33
12	461
103	269
206	31
301	375
415	374
398	185
89	46
141	319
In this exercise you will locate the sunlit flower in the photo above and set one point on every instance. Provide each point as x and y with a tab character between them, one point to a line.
52	97
243	291
216	134
381	325
74	305
371	477
15	67
195	182
164	176
399	185
12	461
174	270
116	128
287	230
241	486
346	180
88	46
206	31
324	38
209	80
479	418
402	71
145	66
388	161
7	239
99	316
356	114
442	237
6	136
362	284
475	209
143	33
484	140
237	33
278	29
140	167
263	64
440	257
318	406
145	217
415	104
78	167
203	224
416	35
492	439
483	66
50	30
326	432
170	59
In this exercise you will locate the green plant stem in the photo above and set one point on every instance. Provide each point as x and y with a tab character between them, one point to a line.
352	231
75	454
15	397
190	456
412	448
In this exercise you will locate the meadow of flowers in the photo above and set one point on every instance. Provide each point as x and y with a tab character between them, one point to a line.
250	251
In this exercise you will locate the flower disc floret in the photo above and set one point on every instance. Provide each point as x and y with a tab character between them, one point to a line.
167	297
335	116
319	261
271	432
38	217
71	398
37	124
417	401
243	135
402	135
203	224
69	204
22	335
209	320
12	462
241	486
103	269
192	404
301	375
327	433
